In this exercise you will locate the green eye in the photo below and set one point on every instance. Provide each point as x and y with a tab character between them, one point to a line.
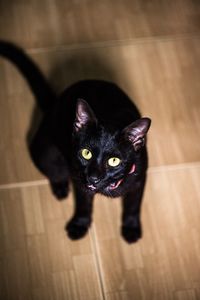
114	161
87	154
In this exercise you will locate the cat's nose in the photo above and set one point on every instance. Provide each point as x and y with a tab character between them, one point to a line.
94	180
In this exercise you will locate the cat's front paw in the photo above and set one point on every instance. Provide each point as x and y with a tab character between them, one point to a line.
60	189
131	230
78	227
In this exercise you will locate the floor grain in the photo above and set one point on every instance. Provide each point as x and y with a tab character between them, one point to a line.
151	49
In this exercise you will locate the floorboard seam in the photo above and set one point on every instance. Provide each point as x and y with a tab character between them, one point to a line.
98	261
114	43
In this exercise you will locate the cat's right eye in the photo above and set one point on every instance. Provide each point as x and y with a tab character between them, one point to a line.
114	161
87	154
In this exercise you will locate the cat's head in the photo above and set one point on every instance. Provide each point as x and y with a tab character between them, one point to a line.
104	156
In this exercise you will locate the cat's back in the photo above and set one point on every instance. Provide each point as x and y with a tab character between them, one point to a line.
109	103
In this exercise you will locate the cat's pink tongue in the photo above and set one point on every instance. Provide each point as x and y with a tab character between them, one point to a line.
114	186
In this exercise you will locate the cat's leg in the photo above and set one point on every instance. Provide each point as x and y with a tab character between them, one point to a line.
131	225
80	222
51	163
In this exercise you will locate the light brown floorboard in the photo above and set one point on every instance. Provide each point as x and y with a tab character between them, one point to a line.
152	50
48	23
165	263
37	259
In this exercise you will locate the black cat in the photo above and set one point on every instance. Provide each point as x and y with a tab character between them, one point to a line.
92	135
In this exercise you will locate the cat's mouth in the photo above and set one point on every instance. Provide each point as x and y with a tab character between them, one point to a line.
114	185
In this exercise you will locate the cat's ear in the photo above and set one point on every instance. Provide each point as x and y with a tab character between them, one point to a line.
84	115
136	132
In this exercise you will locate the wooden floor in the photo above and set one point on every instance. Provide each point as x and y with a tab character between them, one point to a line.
152	50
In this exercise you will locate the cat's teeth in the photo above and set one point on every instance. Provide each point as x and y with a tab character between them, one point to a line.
91	187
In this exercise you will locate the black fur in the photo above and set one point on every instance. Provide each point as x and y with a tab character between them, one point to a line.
108	124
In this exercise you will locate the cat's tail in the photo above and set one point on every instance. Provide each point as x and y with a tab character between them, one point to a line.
40	87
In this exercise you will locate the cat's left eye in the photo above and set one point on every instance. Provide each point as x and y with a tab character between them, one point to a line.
114	161
87	154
